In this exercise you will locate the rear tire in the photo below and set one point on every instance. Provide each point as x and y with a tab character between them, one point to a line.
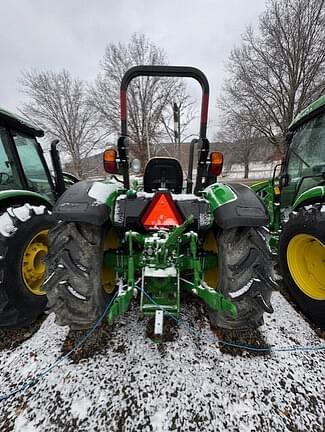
19	225
245	276
74	274
307	223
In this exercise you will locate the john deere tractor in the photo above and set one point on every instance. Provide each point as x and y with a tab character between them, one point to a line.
27	195
296	205
117	240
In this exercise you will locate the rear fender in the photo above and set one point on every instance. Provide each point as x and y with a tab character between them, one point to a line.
235	205
87	201
310	196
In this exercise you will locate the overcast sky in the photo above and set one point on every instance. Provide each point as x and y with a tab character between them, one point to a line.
72	34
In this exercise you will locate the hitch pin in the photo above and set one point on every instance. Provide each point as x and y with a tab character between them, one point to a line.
159	322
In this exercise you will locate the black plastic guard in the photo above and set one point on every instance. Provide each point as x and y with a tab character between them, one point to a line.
129	211
75	205
247	210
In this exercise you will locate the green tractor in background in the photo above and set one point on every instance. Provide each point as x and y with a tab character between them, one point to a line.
27	195
296	206
115	239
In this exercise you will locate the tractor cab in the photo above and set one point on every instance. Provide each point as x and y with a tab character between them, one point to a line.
296	206
304	165
301	178
22	163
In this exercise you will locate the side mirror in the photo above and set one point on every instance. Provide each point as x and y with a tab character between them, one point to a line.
110	160
56	164
216	164
135	166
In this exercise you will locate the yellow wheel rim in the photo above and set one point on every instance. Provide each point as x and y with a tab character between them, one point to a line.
108	279
33	267
211	277
306	262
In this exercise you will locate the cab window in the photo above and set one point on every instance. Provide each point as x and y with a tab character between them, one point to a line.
9	177
307	150
36	175
306	162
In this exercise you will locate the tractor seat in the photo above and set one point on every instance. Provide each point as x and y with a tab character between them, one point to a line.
163	173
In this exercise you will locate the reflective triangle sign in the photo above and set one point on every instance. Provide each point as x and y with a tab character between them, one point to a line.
161	213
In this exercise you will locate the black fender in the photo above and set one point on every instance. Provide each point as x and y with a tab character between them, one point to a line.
246	210
83	202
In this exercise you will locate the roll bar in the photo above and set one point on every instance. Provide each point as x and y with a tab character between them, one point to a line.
165	71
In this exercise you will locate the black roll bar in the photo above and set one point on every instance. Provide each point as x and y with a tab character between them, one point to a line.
163	71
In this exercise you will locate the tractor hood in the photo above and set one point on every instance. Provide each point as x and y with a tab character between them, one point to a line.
20	123
313	109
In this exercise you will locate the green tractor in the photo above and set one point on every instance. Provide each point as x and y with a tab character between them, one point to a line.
296	205
118	240
27	195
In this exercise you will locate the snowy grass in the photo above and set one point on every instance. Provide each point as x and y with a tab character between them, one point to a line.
189	385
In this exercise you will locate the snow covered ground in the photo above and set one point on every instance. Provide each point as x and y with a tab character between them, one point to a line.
188	384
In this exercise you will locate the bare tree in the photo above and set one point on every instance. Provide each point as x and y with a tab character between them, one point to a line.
149	98
176	119
280	69
186	113
239	140
58	103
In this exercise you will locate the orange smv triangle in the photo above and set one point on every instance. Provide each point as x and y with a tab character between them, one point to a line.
161	213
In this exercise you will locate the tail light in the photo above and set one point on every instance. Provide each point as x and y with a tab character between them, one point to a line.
109	160
161	213
216	163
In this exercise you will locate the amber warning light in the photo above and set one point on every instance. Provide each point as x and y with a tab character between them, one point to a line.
109	160
161	213
216	163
